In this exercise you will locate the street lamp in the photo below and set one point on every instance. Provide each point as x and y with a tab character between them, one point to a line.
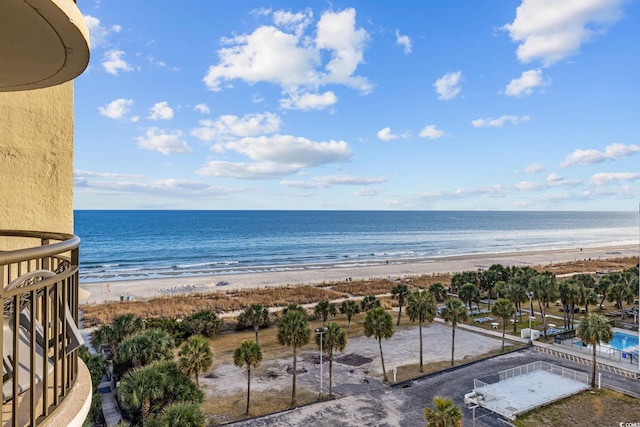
321	331
530	317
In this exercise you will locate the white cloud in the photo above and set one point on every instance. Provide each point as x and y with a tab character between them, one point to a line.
328	181
160	111
309	101
534	168
611	152
404	42
202	108
293	59
98	32
448	86
276	156
117	109
525	84
366	192
386	135
112	62
156	187
550	30
609	178
292	150
431	132
165	142
230	126
554	177
500	121
242	170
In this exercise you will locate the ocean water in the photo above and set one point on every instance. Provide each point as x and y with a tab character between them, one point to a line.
119	245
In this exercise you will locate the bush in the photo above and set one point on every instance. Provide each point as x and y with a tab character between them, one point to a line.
205	323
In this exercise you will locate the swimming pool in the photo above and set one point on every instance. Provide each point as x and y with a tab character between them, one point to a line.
621	341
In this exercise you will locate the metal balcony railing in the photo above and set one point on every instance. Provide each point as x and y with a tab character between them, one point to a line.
39	338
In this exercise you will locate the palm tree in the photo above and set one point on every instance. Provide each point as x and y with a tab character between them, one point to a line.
181	414
379	324
438	291
195	356
325	309
453	311
126	325
469	293
293	331
446	414
139	387
349	308
421	307
593	330
400	292
545	290
248	354
369	302
255	315
334	339
142	349
504	309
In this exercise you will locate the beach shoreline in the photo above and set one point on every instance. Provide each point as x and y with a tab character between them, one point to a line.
312	274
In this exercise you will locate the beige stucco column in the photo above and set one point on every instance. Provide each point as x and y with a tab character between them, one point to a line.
36	159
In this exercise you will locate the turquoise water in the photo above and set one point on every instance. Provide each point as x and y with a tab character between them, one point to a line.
621	341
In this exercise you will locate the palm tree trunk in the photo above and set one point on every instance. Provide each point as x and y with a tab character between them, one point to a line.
384	371
146	408
248	386
453	342
293	388
399	314
593	368
330	374
420	328
515	322
197	382
504	327
256	328
348	324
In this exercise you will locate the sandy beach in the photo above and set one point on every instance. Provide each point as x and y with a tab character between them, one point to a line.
99	292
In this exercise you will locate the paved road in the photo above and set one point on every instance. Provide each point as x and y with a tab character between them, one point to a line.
403	405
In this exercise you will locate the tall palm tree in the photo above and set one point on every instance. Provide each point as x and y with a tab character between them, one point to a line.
516	292
379	324
400	292
334	339
248	354
504	309
545	290
255	315
421	307
325	309
454	311
438	291
445	414
195	356
369	302
349	308
593	330
181	414
293	331
139	387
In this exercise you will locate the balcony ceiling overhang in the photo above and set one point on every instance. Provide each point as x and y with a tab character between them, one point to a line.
42	43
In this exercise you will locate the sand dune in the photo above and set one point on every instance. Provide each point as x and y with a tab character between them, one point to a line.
99	292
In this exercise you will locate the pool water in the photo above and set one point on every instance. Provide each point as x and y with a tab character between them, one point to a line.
622	341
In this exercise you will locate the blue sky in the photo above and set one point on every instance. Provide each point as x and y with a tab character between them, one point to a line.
447	105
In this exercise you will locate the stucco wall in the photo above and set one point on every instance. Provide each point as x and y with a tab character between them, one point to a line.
36	159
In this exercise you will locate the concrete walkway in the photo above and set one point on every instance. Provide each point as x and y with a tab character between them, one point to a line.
110	408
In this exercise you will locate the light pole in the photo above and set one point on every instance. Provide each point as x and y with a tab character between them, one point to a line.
321	331
530	317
